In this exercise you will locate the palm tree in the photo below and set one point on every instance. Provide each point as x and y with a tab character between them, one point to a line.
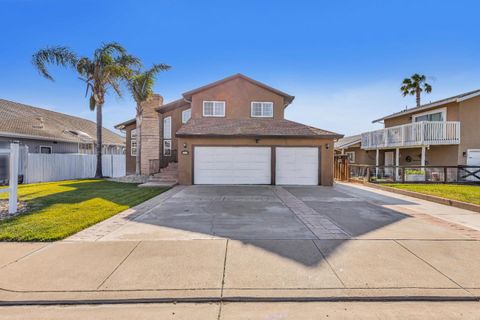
140	85
415	85
110	63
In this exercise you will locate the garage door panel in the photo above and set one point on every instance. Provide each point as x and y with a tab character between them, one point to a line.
232	165
297	166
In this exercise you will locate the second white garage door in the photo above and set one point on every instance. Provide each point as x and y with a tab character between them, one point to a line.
297	166
232	165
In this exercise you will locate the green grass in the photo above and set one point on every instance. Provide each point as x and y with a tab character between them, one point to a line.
465	193
60	209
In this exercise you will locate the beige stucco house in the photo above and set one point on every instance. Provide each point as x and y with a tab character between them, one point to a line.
232	131
440	133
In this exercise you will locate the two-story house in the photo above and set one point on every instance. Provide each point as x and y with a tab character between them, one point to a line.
232	131
440	133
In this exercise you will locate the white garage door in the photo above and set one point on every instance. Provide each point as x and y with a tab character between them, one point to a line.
297	166
232	165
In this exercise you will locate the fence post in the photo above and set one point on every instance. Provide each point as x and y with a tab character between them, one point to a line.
368	174
13	179
445	175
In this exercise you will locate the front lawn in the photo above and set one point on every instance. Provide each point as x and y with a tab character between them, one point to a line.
60	209
465	193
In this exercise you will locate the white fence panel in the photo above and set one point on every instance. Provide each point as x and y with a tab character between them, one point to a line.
53	167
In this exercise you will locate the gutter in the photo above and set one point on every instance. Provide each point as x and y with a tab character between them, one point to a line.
32	137
257	136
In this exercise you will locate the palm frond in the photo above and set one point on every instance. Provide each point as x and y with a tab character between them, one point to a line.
109	49
428	88
141	83
130	61
58	55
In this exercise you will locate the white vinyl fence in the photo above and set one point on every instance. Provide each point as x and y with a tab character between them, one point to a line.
40	167
12	189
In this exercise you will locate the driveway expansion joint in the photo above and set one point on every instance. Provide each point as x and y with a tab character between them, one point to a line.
320	225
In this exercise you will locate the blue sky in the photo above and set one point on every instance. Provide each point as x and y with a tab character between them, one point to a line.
343	60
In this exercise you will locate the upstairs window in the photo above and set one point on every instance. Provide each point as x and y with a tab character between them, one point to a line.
214	108
434	115
167	128
186	115
262	109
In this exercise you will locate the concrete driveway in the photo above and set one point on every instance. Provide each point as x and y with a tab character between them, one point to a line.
256	242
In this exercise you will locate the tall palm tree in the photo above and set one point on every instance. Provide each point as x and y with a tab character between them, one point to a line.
110	63
140	85
415	85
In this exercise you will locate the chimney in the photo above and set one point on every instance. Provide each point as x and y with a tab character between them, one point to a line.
150	132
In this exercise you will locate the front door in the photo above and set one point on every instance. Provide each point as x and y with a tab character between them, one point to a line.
389	162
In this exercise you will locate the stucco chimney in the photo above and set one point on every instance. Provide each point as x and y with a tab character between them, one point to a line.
150	132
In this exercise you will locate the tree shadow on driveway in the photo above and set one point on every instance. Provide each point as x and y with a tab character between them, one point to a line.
256	216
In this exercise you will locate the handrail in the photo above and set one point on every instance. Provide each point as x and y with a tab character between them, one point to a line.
413	134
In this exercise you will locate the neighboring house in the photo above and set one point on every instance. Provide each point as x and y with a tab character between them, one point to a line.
231	131
440	133
45	131
351	146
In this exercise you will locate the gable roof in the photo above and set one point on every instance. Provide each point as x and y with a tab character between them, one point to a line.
23	121
172	105
122	125
348	141
457	98
288	98
213	127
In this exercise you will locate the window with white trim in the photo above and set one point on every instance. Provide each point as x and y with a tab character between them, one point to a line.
167	128
214	108
433	115
350	156
186	115
167	147
133	142
262	109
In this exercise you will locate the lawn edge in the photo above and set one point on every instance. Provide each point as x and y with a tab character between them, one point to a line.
423	196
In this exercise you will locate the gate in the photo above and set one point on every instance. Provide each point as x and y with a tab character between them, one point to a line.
341	170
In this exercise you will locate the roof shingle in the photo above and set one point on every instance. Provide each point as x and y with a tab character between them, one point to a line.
24	120
252	127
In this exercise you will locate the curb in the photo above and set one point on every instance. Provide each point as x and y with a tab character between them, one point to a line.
243	300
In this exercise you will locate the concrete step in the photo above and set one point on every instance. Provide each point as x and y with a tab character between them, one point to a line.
158	184
164	176
163	179
168	170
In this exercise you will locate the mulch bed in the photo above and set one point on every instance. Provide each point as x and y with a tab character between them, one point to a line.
22	207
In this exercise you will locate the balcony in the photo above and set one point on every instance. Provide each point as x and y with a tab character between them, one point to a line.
416	134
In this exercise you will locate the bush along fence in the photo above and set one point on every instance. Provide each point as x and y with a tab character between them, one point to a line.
411	174
38	167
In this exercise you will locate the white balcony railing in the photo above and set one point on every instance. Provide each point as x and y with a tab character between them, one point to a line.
413	134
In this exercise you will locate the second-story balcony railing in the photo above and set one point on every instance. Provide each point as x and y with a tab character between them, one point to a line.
422	133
